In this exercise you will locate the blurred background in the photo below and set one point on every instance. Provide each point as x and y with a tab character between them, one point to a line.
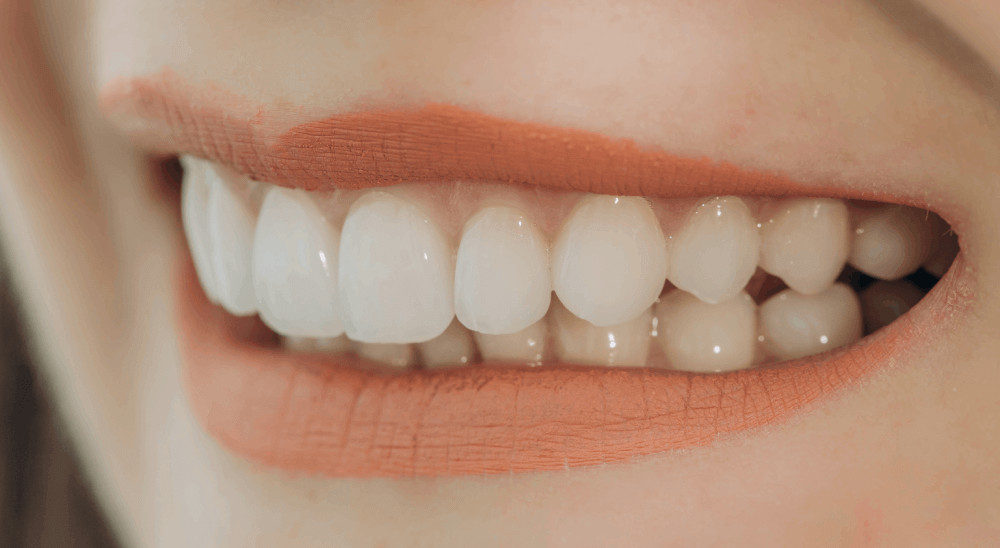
44	499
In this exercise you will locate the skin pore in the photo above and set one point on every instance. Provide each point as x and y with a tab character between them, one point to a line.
849	95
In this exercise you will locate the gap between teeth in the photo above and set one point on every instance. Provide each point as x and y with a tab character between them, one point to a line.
410	275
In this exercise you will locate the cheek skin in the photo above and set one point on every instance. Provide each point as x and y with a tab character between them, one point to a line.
907	459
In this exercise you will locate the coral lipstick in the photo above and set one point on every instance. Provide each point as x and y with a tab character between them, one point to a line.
331	416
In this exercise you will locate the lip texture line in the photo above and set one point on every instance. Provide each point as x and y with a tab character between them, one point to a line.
432	143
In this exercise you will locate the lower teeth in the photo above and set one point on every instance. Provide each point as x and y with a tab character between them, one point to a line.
637	282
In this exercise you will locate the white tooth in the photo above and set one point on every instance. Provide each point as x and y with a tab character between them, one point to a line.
882	302
326	345
396	355
806	242
452	348
396	272
702	337
795	325
502	281
580	342
527	346
715	253
609	261
891	242
194	216
295	266
231	220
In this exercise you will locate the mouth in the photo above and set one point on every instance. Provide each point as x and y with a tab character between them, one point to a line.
432	291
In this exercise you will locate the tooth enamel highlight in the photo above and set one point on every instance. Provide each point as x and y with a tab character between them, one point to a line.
716	251
883	302
396	276
702	337
891	242
579	341
796	325
502	282
295	266
194	217
396	355
609	261
805	242
230	227
452	348
527	346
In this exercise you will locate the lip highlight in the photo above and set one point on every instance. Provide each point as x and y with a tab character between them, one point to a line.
335	417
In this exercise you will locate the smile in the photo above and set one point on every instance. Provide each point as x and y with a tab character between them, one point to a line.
433	291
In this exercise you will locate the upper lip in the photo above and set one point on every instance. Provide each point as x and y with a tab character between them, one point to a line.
342	421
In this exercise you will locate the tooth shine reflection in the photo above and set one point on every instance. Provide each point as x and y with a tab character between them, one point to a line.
451	275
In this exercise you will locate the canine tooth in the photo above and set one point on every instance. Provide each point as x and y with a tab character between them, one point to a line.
527	346
805	242
396	277
502	280
396	355
883	302
452	348
796	325
609	260
295	266
230	225
581	342
194	216
702	337
716	251
892	241
326	345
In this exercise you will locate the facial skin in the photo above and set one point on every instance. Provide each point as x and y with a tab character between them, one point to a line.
843	93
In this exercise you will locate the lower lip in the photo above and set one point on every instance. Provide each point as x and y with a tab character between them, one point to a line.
327	416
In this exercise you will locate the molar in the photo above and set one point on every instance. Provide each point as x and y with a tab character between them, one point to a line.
715	253
609	261
883	302
805	242
795	325
702	337
502	281
295	266
579	341
396	276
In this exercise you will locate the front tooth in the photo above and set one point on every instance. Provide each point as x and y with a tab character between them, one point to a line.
230	227
396	355
194	216
806	242
715	253
295	266
581	342
883	302
702	337
396	272
795	325
527	346
502	282
891	242
452	348
609	261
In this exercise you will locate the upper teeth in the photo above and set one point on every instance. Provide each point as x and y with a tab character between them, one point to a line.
389	270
